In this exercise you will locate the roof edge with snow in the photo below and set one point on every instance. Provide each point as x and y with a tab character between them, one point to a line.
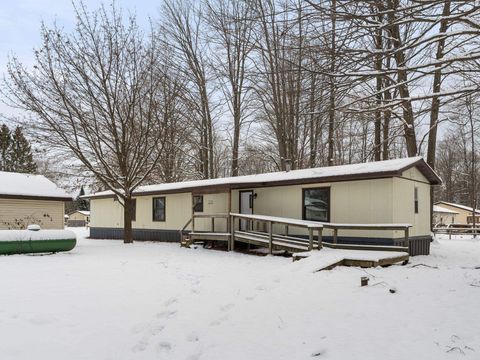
30	187
352	172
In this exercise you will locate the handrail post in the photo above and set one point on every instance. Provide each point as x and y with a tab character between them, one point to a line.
335	233
320	245
193	223
213	223
310	239
407	239
270	238
286	230
232	234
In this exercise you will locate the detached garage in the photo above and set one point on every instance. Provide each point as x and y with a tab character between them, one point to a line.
30	199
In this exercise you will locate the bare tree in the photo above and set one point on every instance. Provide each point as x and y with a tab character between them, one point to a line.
91	94
182	26
231	24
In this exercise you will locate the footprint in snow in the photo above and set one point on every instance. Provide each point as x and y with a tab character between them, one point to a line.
164	346
194	356
170	301
227	307
155	330
192	337
141	345
166	314
219	321
250	298
139	328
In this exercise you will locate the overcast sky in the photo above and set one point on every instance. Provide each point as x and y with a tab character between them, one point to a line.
20	22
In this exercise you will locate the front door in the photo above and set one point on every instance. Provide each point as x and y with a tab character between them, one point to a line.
246	206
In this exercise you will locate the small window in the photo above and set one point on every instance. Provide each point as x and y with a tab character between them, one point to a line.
416	200
316	204
470	219
159	209
198	203
133	209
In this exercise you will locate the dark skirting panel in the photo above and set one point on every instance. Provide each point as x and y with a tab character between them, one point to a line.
419	245
138	234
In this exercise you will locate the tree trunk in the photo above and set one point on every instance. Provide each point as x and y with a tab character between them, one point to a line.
236	138
379	84
127	225
331	110
437	81
402	80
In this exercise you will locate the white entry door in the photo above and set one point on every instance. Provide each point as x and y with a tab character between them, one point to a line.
246	206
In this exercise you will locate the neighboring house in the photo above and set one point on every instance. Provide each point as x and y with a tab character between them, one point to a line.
465	215
30	199
78	218
443	216
384	192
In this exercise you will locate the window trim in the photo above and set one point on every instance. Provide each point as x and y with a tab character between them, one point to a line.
415	199
164	208
193	203
329	202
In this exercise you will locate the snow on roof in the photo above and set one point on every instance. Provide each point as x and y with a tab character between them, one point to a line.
352	170
463	207
83	212
440	209
17	184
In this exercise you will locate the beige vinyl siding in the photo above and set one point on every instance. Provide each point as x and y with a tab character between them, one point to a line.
109	213
19	213
444	218
363	201
461	217
77	216
213	204
372	201
404	202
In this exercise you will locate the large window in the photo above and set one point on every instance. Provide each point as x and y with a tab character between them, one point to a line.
158	209
198	203
316	204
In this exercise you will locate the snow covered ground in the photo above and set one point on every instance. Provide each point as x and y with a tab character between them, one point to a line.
107	300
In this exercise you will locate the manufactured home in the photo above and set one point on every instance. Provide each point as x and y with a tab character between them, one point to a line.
30	199
78	218
443	216
464	214
384	192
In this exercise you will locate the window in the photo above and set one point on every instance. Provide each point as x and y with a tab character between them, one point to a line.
316	204
470	219
133	209
158	209
416	200
198	203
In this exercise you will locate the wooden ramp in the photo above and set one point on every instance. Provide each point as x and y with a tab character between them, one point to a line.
258	230
327	259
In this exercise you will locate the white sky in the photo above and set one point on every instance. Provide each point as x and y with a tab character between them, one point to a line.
20	22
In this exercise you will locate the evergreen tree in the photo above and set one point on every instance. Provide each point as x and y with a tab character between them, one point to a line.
82	204
21	153
5	146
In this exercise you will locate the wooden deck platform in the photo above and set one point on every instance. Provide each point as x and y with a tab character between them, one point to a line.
331	254
327	259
